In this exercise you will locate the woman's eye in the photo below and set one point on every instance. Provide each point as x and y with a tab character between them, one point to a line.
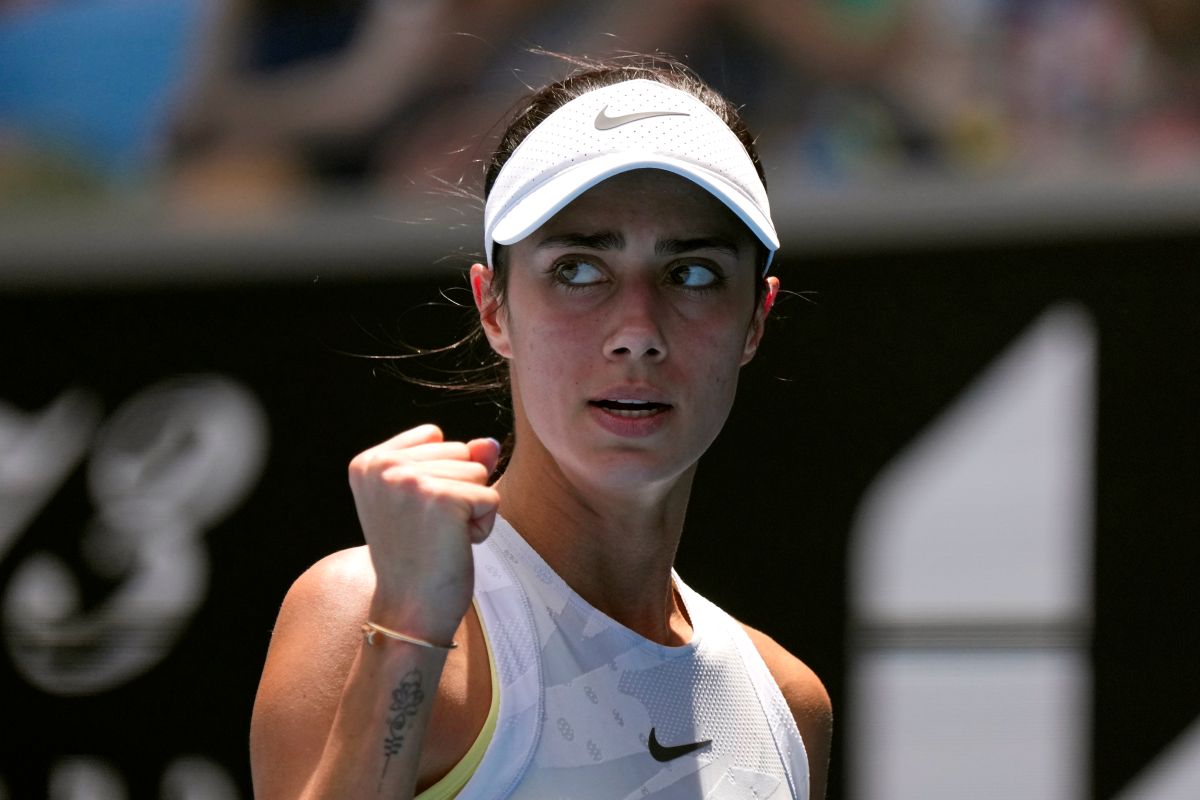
577	273
695	276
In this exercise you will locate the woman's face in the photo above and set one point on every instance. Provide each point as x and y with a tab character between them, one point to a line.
626	320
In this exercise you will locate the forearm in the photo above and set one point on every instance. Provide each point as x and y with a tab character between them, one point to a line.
337	716
321	730
374	746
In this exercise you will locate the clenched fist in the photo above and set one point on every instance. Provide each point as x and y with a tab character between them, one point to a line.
422	502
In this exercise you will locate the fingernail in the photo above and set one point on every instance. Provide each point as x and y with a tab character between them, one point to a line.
495	442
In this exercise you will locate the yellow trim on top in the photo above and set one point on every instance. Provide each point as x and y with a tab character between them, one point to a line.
453	781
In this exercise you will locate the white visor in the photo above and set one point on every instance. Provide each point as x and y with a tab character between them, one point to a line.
637	124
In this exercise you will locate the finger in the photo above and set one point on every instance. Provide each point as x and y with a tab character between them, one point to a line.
421	434
473	500
433	451
486	452
454	470
383	457
481	527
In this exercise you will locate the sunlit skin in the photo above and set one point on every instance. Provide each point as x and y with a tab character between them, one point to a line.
641	289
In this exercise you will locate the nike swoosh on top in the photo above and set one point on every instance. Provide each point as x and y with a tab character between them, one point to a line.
661	752
606	123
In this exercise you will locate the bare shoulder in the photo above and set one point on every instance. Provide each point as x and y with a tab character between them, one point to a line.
318	625
808	700
313	645
324	609
803	690
337	586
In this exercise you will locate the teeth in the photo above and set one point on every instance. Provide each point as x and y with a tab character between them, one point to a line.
630	412
631	408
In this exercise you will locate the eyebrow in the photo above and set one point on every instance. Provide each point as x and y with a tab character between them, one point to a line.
605	240
610	240
672	247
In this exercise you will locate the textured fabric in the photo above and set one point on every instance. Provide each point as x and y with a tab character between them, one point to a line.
580	694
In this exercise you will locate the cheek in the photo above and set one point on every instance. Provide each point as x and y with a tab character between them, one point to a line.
723	356
721	345
546	352
548	336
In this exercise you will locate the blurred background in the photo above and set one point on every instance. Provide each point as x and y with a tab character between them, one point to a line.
962	480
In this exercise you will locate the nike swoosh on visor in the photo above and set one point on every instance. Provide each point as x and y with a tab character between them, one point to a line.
606	123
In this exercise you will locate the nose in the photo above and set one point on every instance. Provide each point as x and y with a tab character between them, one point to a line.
636	332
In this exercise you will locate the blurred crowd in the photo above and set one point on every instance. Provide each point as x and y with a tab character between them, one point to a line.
221	100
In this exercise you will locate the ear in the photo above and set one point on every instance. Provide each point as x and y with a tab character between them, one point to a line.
492	318
758	323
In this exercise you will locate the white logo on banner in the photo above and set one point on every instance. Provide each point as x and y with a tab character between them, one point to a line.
170	463
972	594
185	778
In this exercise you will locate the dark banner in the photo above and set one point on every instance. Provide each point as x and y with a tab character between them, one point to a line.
964	486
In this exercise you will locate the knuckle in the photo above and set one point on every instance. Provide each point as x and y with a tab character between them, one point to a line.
406	479
359	466
431	431
367	461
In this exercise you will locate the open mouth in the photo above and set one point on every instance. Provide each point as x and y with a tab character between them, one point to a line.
631	408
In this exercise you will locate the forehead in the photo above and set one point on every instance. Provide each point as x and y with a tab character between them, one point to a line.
648	199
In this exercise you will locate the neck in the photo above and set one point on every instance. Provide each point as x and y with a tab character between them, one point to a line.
614	547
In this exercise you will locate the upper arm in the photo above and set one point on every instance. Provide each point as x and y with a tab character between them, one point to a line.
313	646
809	703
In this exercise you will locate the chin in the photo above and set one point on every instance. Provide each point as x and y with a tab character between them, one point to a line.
632	471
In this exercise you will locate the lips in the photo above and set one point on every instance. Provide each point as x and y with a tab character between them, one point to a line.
630	410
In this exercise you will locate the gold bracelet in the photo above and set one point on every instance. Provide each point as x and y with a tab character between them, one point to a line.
369	630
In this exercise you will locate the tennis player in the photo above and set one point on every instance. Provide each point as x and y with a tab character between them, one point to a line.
527	637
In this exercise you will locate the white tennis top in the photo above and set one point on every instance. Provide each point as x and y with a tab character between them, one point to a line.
590	710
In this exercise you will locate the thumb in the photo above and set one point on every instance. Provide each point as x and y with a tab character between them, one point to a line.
481	527
486	452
